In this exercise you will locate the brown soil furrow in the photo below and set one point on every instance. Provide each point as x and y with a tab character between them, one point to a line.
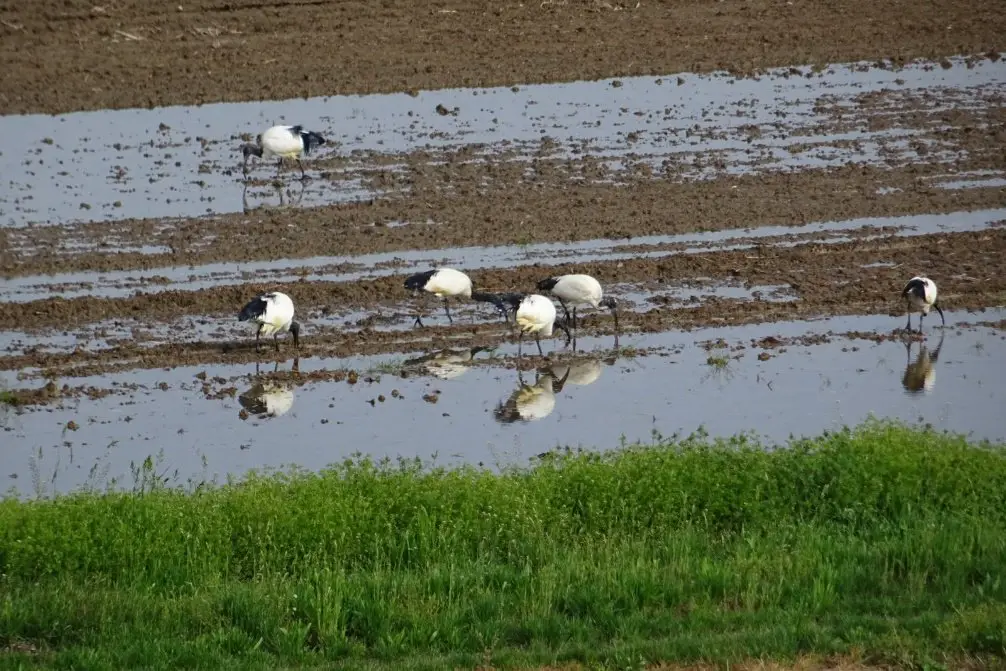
828	280
545	212
60	58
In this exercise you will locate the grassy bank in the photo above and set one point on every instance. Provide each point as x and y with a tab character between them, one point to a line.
884	541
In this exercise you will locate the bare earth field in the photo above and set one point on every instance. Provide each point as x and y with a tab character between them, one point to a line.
64	56
748	176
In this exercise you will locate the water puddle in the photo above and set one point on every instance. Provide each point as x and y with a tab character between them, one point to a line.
473	406
184	161
368	266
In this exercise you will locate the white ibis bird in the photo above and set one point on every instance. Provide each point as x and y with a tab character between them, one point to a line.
283	142
267	400
578	290
445	283
920	295
273	313
920	375
530	402
535	314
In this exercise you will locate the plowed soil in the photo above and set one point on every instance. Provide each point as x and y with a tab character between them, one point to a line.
61	55
64	56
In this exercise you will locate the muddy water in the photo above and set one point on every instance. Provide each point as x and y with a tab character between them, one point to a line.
184	161
201	424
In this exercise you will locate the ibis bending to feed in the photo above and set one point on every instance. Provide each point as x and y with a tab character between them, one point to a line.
446	283
273	312
920	294
283	142
578	290
535	314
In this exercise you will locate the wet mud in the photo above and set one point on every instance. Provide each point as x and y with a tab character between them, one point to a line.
63	57
755	230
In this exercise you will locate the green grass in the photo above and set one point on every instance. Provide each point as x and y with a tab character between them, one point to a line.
886	541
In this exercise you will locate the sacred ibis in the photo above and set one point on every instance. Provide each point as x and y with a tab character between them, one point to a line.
920	295
273	313
535	314
578	290
445	283
283	142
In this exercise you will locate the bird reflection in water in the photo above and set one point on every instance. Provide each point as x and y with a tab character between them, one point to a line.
530	402
445	364
582	371
268	398
287	198
920	375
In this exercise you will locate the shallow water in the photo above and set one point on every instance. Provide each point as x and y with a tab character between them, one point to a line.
185	161
463	413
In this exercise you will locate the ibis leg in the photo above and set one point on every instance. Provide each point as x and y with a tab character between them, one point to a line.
574	316
258	334
419	321
537	340
909	326
921	316
303	174
520	341
447	309
566	310
275	340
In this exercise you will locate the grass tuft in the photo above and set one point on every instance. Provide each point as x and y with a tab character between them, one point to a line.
884	541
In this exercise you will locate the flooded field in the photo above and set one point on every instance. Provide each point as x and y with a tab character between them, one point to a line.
755	232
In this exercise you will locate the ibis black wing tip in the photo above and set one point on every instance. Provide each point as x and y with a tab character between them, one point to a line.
254	308
418	280
547	284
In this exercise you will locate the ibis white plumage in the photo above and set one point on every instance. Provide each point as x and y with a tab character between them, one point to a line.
272	312
535	314
920	295
447	283
283	142
578	289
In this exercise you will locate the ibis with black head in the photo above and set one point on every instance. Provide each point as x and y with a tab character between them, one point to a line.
283	142
272	313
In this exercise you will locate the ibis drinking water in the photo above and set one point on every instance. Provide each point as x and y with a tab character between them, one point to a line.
273	313
578	290
535	314
283	142
920	295
446	283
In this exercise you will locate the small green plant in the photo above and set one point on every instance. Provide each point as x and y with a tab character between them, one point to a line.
718	361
